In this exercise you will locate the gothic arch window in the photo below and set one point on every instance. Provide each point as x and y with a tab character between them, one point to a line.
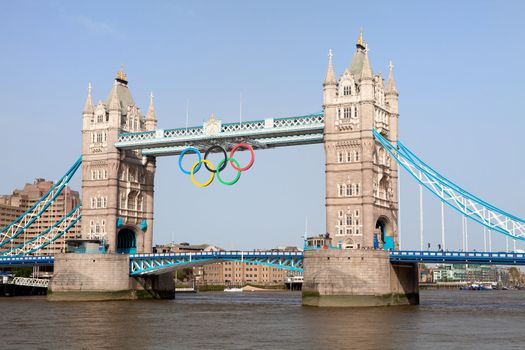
132	200
349	243
383	187
140	202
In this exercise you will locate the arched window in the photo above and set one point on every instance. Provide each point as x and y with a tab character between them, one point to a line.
132	200
139	202
123	198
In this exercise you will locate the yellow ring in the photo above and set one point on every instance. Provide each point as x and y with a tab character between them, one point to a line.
192	173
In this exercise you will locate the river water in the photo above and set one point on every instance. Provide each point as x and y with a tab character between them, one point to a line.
271	320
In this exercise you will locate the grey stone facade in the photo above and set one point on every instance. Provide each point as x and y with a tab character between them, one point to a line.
351	277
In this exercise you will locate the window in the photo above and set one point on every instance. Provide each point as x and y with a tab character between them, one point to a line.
340	213
349	220
356	213
348	157
356	156
349	190
347	90
339	157
347	112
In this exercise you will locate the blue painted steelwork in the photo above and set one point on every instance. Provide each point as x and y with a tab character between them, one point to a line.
14	229
484	258
454	196
27	261
47	237
272	132
141	264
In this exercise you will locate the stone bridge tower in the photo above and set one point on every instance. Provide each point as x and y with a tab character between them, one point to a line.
117	185
361	195
361	179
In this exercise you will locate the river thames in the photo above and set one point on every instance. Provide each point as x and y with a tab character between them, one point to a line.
271	320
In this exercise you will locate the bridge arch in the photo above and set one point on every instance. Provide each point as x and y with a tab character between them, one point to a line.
384	232
127	241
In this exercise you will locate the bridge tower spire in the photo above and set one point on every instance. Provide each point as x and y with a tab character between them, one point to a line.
151	119
89	112
330	81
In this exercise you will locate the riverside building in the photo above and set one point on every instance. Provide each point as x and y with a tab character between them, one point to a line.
15	204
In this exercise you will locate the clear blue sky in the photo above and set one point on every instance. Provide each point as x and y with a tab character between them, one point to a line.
458	67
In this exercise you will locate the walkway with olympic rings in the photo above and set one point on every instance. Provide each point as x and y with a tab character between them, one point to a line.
216	171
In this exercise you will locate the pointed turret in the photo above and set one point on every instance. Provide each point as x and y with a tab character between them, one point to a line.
151	119
88	107
367	77
392	96
366	73
330	78
391	84
114	102
330	81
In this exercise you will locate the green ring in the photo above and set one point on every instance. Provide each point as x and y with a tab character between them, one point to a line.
232	182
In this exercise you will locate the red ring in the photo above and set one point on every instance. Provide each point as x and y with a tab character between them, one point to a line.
247	146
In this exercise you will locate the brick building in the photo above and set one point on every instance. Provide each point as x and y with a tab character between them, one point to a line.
15	204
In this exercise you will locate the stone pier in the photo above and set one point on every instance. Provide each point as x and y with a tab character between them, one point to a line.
353	278
91	277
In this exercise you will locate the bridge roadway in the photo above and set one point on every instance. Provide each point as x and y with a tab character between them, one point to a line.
142	264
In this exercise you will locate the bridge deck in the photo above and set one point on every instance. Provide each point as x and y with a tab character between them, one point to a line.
158	263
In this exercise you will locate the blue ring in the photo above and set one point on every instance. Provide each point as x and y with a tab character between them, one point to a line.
182	156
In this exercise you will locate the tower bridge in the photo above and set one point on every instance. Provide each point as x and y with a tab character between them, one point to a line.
358	128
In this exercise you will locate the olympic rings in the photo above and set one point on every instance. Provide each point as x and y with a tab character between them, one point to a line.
220	166
203	184
243	145
196	151
223	163
237	177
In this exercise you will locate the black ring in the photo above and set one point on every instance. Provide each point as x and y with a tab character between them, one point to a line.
217	147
